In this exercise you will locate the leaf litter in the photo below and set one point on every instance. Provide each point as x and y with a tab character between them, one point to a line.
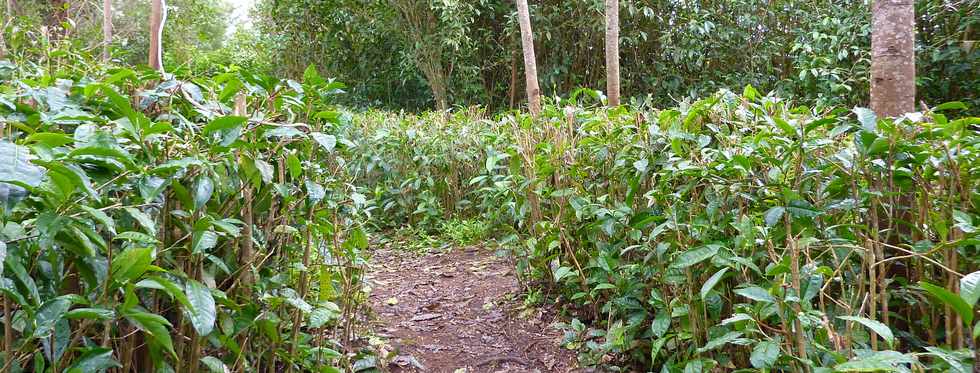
460	310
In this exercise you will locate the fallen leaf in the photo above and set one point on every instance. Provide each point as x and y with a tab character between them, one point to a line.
426	317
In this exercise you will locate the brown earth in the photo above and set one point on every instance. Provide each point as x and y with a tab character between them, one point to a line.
460	309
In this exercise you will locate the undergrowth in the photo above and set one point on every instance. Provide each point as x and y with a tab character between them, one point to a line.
162	223
732	233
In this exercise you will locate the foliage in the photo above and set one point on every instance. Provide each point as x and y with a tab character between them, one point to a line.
158	223
194	28
805	238
814	52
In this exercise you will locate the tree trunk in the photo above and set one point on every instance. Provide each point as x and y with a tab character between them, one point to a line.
530	64
892	57
612	52
106	29
420	28
158	16
432	69
8	17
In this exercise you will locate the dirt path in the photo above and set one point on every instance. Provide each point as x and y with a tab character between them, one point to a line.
443	312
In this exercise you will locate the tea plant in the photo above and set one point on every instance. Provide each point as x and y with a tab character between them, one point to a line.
157	223
733	232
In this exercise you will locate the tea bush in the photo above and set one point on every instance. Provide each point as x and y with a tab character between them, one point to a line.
729	233
158	223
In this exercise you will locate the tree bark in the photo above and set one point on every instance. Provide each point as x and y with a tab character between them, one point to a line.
434	74
106	29
59	13
892	57
158	16
612	52
8	17
530	64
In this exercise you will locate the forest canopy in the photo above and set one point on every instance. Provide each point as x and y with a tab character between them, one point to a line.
412	54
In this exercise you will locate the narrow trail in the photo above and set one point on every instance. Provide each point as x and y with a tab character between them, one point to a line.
443	312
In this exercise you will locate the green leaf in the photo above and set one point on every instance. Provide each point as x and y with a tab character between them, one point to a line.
755	293
880	329
95	359
136	237
656	347
764	354
224	123
90	314
155	326
959	305
784	126
660	323
214	364
773	215
712	281
730	337
131	264
882	361
953	105
203	312
750	93
328	142
231	88
692	257
867	118
563	272
265	170
294	165
293	298
160	283
311	76
204	241
49	314
315	192
202	191
101	217
16	172
954	363
963	221
321	315
970	288
145	220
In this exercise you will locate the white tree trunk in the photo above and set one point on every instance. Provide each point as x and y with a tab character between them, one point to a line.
158	17
106	29
530	64
612	52
892	57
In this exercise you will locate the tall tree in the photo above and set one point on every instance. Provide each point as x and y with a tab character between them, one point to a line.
892	57
425	45
158	16
106	28
530	64
9	16
612	51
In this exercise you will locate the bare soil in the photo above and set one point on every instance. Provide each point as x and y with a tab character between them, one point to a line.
460	309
